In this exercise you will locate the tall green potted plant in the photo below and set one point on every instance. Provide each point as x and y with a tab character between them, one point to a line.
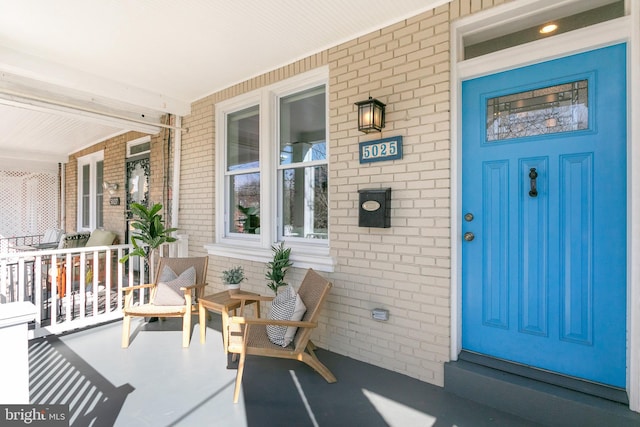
150	233
278	266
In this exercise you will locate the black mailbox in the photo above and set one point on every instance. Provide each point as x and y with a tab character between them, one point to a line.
375	208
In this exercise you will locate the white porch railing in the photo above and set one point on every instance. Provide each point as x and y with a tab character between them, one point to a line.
74	288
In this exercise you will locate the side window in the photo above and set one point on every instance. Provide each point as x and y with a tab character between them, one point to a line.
303	165
99	194
90	191
243	171
272	171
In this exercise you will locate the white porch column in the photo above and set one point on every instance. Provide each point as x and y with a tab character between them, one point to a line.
15	355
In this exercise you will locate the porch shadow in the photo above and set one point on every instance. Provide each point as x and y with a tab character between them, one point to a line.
155	324
281	392
57	375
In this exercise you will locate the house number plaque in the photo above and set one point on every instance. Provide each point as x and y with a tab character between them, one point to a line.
381	149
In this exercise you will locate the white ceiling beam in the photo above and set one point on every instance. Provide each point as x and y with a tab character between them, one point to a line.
99	117
15	158
57	78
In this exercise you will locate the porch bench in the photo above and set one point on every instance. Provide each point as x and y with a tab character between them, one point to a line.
80	240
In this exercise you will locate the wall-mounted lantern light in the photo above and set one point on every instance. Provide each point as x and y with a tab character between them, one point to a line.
111	187
370	115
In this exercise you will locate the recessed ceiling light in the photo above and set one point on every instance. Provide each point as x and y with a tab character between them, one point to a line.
549	28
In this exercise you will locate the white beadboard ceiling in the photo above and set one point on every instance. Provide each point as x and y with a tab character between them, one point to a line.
148	57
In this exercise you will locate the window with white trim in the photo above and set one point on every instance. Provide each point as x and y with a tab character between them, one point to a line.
243	171
272	171
302	172
90	191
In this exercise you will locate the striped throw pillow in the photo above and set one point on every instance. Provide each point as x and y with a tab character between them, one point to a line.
287	305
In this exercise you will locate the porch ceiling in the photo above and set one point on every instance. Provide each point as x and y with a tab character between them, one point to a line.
138	60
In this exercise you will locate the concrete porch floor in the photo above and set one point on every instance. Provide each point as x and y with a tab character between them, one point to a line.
156	382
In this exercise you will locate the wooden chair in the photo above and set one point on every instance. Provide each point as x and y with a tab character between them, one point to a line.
248	336
178	265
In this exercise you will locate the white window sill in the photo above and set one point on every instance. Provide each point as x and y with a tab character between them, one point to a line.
302	257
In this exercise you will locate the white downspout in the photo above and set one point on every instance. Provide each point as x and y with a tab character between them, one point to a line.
183	242
175	185
63	192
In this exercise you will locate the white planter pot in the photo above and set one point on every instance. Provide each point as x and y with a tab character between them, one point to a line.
232	287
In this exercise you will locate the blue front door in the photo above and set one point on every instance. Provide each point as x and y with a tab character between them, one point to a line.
544	207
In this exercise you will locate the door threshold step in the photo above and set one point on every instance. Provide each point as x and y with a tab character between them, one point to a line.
534	400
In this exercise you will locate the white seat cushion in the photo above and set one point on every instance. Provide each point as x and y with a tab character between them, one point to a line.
101	238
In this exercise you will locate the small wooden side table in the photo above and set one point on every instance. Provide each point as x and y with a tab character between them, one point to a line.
223	302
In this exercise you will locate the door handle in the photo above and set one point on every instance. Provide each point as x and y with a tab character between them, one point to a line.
533	175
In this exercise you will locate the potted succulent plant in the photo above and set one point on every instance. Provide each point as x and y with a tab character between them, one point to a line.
277	268
232	277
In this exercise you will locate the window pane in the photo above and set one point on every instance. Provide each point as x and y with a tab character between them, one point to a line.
305	202
244	203
140	148
554	109
86	196
243	139
303	126
99	194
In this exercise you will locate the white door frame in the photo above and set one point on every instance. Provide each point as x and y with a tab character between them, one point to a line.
625	29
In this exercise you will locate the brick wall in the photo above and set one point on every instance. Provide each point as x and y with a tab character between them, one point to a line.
405	268
69	222
197	177
115	172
